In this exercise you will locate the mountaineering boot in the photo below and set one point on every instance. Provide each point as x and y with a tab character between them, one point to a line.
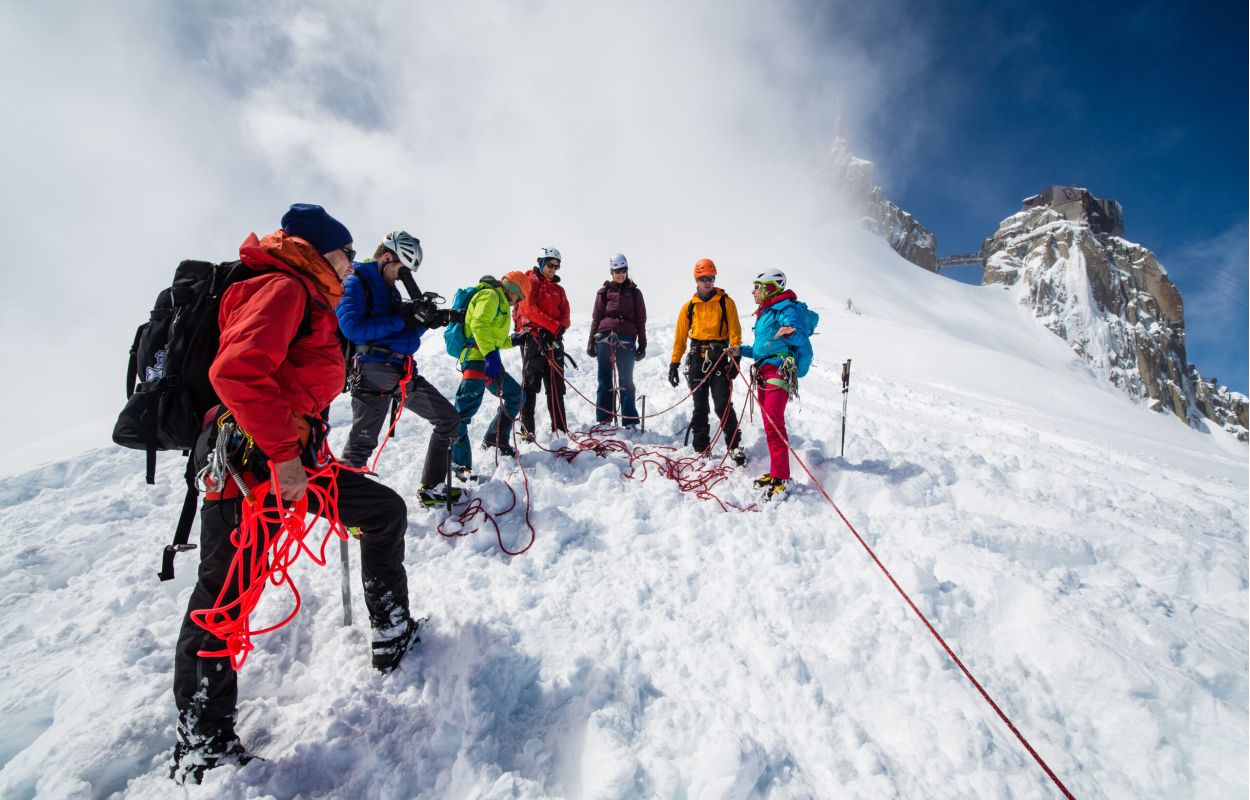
504	449
738	456
777	491
197	752
438	494
390	644
764	482
463	474
526	436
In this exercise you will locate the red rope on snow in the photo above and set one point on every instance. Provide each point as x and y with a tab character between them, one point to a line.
907	598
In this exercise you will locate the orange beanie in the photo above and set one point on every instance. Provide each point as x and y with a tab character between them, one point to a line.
704	267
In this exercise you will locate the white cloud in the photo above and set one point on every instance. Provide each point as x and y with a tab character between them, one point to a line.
164	131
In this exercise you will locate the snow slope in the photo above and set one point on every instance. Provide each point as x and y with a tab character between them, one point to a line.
1087	559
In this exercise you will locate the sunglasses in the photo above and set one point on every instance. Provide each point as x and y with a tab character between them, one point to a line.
349	252
553	264
706	280
618	271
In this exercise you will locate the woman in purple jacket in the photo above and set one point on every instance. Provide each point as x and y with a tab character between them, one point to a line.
618	335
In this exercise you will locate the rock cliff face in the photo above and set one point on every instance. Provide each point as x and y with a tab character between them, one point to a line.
1110	299
852	181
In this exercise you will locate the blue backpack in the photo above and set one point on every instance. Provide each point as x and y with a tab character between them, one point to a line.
808	320
454	335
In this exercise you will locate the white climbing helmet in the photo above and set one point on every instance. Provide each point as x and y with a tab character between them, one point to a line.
618	261
773	277
546	253
405	246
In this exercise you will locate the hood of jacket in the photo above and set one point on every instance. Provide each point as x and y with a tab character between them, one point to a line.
285	253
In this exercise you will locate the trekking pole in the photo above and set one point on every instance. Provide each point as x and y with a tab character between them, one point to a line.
447	481
846	386
616	381
642	420
347	584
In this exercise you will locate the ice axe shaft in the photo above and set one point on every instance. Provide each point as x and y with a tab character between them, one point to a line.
347	584
846	387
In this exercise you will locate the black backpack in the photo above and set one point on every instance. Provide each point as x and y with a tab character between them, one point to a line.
168	392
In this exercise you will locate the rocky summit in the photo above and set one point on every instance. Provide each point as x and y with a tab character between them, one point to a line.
852	179
1110	299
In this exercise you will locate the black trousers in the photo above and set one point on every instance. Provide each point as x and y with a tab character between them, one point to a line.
206	689
537	374
720	386
371	400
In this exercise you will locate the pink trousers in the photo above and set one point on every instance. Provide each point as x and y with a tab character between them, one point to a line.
772	400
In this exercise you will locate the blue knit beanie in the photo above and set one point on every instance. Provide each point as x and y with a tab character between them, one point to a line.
312	224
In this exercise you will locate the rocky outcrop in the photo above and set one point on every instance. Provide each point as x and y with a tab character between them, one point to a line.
1110	299
851	180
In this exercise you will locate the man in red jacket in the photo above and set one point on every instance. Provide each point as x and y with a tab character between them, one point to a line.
541	320
277	369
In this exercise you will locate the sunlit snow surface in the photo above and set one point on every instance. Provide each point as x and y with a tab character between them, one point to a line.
1085	557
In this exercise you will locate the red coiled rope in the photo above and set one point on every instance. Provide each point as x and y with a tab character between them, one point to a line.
269	540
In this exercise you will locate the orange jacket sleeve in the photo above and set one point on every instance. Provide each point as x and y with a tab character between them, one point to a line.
683	332
735	325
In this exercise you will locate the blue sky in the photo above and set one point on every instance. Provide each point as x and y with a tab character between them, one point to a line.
1141	102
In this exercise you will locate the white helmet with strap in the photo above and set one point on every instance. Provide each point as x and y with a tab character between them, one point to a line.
405	246
546	253
774	278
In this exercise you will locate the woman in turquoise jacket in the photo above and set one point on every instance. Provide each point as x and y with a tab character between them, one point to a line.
779	339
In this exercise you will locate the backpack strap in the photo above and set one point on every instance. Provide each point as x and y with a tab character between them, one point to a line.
183	531
132	369
724	316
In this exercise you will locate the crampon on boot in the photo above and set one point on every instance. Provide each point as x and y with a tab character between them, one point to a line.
195	753
438	494
390	645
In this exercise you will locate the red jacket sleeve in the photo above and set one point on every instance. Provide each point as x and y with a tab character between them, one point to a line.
259	319
564	310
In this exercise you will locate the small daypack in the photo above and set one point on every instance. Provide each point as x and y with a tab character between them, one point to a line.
808	320
454	335
168	392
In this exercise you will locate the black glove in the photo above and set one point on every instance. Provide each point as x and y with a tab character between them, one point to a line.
733	366
518	338
545	337
439	318
592	349
641	352
414	315
673	380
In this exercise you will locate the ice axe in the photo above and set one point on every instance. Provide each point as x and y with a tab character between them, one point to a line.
846	386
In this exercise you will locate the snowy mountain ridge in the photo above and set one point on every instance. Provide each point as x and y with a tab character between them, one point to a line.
1113	302
850	179
1086	558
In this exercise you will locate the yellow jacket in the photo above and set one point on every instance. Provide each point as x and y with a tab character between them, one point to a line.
703	319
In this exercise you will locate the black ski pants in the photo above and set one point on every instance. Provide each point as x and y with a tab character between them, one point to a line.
537	373
372	389
206	689
719	385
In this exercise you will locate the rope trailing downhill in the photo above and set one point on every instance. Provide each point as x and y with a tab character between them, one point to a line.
929	626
